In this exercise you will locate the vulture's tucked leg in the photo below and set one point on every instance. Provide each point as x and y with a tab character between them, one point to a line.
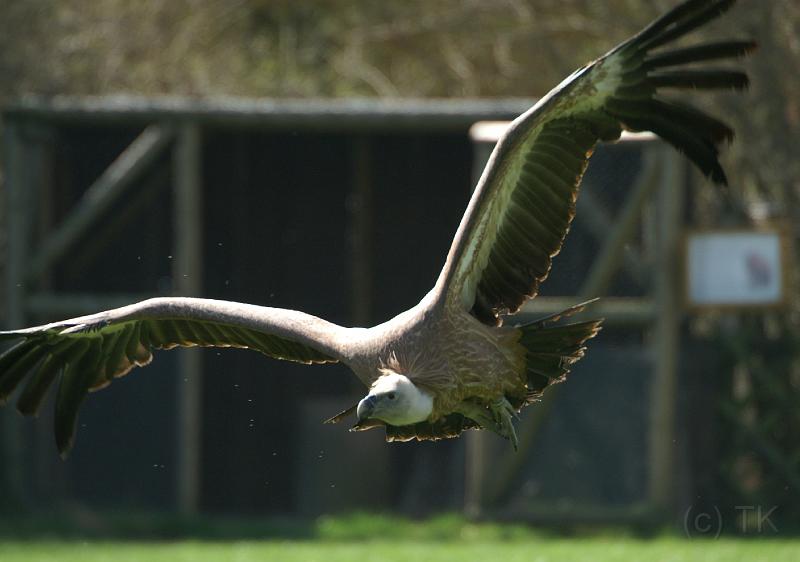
479	414
498	417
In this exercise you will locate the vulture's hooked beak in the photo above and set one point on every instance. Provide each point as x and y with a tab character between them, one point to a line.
365	408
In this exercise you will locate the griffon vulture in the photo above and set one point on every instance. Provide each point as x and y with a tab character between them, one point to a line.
451	362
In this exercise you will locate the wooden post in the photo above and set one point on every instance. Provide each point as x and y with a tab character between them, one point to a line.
18	221
658	157
475	444
474	477
600	276
187	274
666	333
45	472
360	223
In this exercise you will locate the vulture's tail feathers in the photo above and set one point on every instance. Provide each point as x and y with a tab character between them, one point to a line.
551	349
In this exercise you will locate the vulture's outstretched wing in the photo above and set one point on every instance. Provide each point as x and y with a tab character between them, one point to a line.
90	351
524	202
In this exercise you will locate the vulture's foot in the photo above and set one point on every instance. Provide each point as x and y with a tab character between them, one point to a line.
504	414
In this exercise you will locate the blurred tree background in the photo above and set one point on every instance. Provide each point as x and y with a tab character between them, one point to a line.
464	48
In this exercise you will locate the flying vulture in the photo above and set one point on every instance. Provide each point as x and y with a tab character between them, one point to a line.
451	362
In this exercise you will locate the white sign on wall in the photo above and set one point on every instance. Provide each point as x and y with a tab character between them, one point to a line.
735	268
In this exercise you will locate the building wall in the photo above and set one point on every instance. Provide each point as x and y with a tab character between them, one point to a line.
279	213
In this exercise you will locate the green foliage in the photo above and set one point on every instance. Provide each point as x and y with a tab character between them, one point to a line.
759	450
448	527
282	48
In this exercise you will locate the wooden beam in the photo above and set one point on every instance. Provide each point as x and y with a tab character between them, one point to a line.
666	334
149	194
187	272
99	197
353	114
613	253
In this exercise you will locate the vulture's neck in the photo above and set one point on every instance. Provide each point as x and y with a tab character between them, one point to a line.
420	404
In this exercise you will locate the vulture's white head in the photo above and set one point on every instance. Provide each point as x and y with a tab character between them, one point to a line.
393	398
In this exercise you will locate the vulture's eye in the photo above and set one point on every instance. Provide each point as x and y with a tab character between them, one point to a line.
392	396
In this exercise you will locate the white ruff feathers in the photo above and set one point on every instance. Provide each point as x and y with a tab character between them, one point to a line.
413	405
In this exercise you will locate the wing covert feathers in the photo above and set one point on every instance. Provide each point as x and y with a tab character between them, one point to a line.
524	203
86	354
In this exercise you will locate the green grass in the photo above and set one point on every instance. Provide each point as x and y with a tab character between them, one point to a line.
527	550
124	537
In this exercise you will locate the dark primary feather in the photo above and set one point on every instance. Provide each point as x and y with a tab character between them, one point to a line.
700	14
697	145
89	353
531	211
675	15
711	79
690	130
699	53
